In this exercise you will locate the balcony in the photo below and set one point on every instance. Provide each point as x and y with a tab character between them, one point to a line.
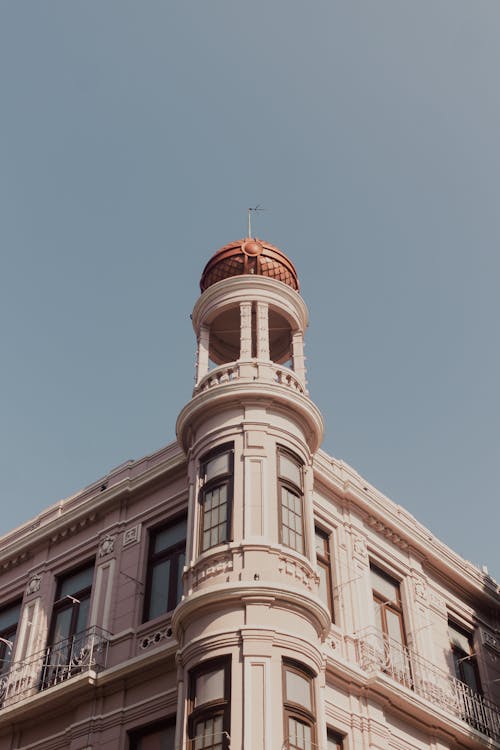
376	653
85	652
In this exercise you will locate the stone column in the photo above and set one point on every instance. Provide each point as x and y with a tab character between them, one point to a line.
263	331
203	343
245	330
299	366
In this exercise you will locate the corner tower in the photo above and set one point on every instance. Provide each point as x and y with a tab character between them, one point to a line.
250	603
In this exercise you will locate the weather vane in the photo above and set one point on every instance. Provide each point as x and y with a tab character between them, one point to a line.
258	207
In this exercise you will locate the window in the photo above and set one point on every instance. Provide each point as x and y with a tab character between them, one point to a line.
298	708
290	501
389	622
68	641
322	543
167	548
334	741
209	706
464	659
9	617
159	736
216	497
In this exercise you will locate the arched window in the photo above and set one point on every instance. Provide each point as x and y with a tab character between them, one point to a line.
298	707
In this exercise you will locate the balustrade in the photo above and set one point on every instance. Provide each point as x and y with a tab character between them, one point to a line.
378	653
84	652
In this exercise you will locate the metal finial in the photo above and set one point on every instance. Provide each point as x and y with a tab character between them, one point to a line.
257	208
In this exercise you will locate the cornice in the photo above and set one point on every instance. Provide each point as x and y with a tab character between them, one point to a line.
204	404
213	598
235	289
77	511
397	525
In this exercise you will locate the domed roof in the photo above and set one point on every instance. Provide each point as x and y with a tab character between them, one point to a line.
249	256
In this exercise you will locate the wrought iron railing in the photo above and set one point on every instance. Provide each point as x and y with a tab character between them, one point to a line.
378	653
84	652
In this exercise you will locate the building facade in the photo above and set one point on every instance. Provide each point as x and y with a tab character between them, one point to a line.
240	588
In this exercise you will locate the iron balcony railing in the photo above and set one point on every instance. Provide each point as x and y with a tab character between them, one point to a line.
84	652
378	653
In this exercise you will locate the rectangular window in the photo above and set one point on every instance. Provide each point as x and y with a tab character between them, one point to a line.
464	658
334	741
167	550
388	612
9	618
322	543
158	736
68	640
298	708
290	501
209	706
216	496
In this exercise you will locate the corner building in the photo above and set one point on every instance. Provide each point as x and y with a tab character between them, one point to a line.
240	589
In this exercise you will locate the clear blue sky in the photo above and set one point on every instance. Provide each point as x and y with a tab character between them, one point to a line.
133	137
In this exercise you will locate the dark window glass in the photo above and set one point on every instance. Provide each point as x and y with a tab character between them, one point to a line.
167	548
159	736
464	658
68	642
209	706
9	618
334	741
216	497
322	542
298	708
290	501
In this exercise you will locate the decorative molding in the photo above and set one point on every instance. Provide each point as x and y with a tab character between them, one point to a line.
490	641
419	587
73	528
207	569
11	562
153	639
33	584
359	549
386	531
132	535
297	571
107	545
437	603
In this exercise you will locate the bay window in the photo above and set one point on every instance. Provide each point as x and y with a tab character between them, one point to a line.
216	496
209	706
290	501
298	707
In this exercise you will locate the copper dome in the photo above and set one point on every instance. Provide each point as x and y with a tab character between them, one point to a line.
249	256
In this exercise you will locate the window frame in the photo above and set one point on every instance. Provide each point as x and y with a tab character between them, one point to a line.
296	711
384	604
137	734
459	657
83	595
284	483
224	479
210	709
323	560
173	553
9	633
334	737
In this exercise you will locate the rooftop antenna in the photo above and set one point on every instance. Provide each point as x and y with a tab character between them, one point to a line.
258	207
